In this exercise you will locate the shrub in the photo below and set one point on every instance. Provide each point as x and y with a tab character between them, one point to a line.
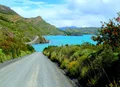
1	56
64	64
109	33
105	58
84	71
75	56
93	81
53	56
91	65
73	68
30	48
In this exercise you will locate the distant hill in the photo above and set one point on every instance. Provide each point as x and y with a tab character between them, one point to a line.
89	30
76	31
72	32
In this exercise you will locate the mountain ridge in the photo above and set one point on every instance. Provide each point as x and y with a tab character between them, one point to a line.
6	10
38	23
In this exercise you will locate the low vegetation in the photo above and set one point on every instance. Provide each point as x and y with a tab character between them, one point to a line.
92	65
12	47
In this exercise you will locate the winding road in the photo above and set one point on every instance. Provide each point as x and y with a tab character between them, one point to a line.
33	41
34	70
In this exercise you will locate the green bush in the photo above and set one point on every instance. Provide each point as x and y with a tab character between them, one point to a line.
64	64
73	68
84	71
109	33
53	56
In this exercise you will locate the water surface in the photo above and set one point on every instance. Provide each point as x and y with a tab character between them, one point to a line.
63	40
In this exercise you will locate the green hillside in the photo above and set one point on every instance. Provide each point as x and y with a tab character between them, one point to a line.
44	27
16	31
17	25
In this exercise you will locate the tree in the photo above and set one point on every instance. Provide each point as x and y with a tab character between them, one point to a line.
109	33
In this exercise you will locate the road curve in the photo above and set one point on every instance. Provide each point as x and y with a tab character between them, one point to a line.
33	41
34	70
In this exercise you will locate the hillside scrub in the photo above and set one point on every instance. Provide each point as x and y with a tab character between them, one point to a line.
92	65
12	47
15	31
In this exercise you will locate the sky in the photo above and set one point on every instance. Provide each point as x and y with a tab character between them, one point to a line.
62	13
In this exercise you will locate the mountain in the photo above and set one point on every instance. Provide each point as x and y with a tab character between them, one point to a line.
43	27
17	25
26	27
6	10
16	32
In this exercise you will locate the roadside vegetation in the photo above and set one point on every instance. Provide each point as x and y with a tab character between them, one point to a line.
12	47
92	65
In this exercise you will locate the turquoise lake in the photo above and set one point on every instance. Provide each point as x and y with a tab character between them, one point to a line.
63	40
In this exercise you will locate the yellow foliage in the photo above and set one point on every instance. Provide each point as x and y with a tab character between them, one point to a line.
72	64
64	63
73	68
53	56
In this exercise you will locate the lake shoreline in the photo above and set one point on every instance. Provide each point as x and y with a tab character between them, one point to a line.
60	40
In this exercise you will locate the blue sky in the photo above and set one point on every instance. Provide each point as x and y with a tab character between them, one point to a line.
81	13
49	1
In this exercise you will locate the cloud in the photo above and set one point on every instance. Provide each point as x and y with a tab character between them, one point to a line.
82	13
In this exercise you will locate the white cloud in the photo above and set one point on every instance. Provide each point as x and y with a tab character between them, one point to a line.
73	13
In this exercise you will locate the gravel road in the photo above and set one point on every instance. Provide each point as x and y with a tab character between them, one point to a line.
34	70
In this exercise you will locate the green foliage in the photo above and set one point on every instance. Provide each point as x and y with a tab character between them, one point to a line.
73	68
88	63
93	81
109	33
30	48
53	56
64	64
1	55
114	84
11	46
84	71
